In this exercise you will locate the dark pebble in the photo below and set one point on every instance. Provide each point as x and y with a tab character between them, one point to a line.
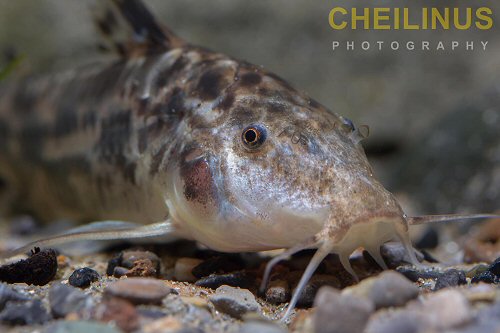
27	313
307	296
218	265
450	278
23	225
395	255
491	275
83	277
237	279
8	294
38	269
65	299
414	274
428	240
113	263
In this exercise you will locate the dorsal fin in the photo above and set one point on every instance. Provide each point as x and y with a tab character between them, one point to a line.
129	29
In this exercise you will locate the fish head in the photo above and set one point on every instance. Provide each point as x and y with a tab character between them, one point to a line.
275	168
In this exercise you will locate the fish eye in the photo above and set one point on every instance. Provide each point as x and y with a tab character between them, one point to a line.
348	125
253	136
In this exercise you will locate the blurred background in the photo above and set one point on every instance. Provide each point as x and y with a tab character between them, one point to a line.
434	115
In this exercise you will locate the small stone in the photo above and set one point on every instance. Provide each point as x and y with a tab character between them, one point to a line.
234	301
491	275
165	324
385	290
337	313
414	274
446	308
129	258
8	294
113	263
397	321
143	268
183	268
65	299
218	265
395	254
278	291
139	290
261	327
119	311
450	278
120	271
27	313
237	279
38	269
80	327
307	296
483	243
83	277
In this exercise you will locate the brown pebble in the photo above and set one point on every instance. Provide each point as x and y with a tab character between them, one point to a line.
119	311
143	268
183	269
139	290
38	269
483	244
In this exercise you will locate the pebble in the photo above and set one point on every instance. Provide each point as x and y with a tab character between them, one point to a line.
450	278
83	277
397	321
237	279
261	327
218	265
80	327
278	292
165	324
234	301
64	299
38	269
385	290
490	275
395	254
134	263
446	308
118	311
337	313
414	274
8	294
483	243
26	313
183	269
307	296
139	290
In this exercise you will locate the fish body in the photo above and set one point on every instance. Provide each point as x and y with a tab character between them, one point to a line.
158	133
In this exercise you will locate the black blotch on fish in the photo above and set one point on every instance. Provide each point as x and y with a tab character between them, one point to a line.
227	101
314	103
250	79
32	137
157	158
210	84
89	119
66	121
276	107
107	23
24	101
115	134
104	83
170	72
